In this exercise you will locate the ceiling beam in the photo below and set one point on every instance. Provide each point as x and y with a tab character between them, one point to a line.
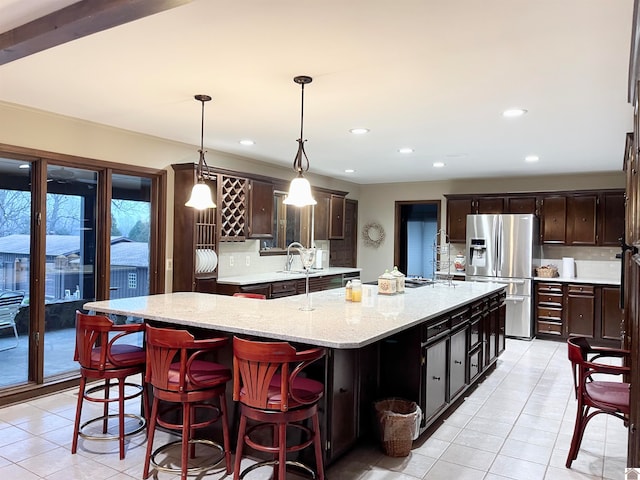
76	21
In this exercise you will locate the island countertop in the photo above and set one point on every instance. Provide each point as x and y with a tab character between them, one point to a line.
333	323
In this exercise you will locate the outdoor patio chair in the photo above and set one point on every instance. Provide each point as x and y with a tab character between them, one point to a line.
9	304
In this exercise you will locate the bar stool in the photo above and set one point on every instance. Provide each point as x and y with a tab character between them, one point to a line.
182	380
104	358
271	393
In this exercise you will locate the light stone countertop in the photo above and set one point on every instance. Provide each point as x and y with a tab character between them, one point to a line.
334	322
267	277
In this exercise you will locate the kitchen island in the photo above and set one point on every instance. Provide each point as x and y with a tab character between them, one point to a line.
384	346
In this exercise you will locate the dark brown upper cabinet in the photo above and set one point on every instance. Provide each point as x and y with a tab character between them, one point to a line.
260	209
522	205
336	217
457	211
582	212
612	213
490	205
553	210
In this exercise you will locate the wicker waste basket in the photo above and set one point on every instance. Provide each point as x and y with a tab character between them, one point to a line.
399	422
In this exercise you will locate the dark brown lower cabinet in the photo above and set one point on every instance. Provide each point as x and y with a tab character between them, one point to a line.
341	425
581	309
458	362
435	378
434	363
611	316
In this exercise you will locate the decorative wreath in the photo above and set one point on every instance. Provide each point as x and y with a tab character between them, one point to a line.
373	234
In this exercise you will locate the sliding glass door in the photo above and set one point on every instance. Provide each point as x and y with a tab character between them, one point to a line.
71	231
15	267
70	266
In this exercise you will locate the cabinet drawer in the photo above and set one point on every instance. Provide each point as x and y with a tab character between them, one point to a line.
549	299
459	318
581	289
279	288
549	313
432	330
549	328
549	288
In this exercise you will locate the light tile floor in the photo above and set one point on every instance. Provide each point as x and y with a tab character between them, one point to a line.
516	424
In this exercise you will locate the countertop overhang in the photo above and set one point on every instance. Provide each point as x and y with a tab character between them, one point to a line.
333	323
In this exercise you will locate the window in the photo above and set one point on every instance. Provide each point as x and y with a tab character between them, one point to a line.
133	280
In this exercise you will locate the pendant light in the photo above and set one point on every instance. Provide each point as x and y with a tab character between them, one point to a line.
201	193
300	189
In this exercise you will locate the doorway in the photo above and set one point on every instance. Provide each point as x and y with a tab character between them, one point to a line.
416	226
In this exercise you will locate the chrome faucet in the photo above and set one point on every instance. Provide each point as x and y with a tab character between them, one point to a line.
289	260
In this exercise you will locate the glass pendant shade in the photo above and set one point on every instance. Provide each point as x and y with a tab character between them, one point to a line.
299	193
200	197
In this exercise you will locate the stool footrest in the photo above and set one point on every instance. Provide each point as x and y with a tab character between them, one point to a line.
298	465
141	424
196	469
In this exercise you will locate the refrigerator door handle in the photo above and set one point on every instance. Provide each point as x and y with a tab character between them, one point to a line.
515	298
515	281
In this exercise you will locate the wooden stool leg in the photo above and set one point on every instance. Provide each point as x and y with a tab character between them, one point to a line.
121	382
282	454
76	426
105	410
317	446
186	430
240	443
226	442
150	434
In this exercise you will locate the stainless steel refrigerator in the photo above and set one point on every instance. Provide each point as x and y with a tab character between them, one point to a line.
505	249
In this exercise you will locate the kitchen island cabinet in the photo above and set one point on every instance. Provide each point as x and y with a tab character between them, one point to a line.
353	333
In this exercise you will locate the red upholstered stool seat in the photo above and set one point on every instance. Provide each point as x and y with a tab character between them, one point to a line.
273	395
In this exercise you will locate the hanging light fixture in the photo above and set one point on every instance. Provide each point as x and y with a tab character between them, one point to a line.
300	189
201	193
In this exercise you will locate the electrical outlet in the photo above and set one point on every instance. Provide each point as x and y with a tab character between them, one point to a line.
231	260
247	260
169	263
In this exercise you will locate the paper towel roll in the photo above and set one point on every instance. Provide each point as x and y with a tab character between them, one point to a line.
568	267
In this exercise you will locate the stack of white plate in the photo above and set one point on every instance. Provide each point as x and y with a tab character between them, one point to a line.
206	260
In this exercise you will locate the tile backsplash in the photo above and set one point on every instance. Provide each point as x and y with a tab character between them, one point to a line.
243	258
590	262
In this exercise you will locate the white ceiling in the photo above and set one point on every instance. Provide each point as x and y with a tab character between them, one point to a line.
428	74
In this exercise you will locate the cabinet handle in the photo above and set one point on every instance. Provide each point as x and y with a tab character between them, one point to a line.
342	390
458	362
436	378
474	365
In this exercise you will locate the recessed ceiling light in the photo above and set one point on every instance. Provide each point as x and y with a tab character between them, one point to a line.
438	164
514	112
359	131
349	170
24	165
247	142
405	150
531	158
